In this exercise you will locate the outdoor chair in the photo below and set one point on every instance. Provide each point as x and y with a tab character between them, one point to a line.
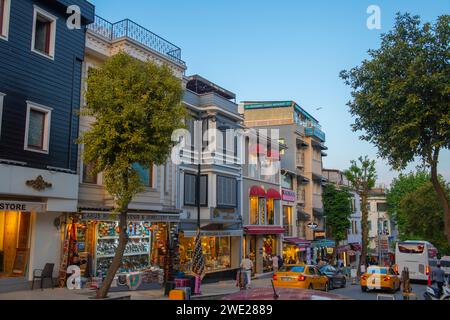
46	273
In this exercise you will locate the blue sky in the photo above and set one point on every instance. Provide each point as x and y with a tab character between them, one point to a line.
280	50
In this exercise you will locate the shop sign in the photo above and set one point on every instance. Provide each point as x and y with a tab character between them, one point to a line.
288	195
74	280
22	206
319	235
107	216
313	225
217	233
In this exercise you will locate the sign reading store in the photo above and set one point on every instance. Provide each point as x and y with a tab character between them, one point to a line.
22	206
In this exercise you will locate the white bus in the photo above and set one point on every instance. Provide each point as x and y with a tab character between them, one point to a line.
418	256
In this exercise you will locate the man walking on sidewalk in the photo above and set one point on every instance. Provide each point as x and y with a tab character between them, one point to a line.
247	267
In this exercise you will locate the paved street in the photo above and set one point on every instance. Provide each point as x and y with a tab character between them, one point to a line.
210	292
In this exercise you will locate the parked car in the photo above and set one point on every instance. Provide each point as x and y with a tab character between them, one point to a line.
300	276
380	278
283	294
336	278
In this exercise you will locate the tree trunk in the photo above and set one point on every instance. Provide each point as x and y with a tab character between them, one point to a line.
117	260
442	196
364	232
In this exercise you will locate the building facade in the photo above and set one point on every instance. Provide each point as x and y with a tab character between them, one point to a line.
90	231
262	215
382	230
212	124
40	84
349	250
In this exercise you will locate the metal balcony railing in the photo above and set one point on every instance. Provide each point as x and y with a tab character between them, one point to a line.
129	29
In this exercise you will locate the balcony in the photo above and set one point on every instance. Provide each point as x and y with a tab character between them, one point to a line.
317	167
300	160
210	100
317	201
131	30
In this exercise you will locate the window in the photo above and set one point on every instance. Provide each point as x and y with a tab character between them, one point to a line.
369	225
412	248
190	186
287	181
166	178
282	141
88	177
4	18
146	174
381	206
37	128
2	97
272	204
44	33
226	192
254	214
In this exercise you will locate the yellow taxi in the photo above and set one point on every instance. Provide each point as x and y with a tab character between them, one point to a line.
300	276
380	278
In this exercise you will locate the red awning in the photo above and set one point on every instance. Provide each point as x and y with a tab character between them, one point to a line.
356	246
273	194
263	230
257	149
257	191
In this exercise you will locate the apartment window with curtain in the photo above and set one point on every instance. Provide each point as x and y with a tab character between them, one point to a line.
44	33
190	187
4	18
226	192
272	207
37	128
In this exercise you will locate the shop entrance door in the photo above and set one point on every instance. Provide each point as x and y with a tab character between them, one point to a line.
14	239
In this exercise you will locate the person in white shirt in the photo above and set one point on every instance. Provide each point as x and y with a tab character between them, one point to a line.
247	266
275	263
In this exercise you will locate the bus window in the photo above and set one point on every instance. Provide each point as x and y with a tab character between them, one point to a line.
414	248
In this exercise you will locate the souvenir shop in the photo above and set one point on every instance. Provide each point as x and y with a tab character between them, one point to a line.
322	250
296	250
220	249
261	243
90	240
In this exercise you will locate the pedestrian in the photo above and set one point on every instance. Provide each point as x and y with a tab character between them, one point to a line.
275	263
247	267
438	276
280	262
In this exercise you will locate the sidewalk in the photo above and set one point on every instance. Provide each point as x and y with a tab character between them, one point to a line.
209	291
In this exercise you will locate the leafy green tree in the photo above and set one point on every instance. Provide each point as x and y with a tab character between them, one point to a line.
362	176
337	209
400	96
410	216
135	107
402	185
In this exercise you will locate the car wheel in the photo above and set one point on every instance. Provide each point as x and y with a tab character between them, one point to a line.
363	289
344	283
330	285
311	287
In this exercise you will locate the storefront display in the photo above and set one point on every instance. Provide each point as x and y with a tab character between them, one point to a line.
14	242
92	245
216	250
269	250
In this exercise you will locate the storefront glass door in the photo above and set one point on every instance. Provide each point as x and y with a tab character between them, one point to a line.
14	243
